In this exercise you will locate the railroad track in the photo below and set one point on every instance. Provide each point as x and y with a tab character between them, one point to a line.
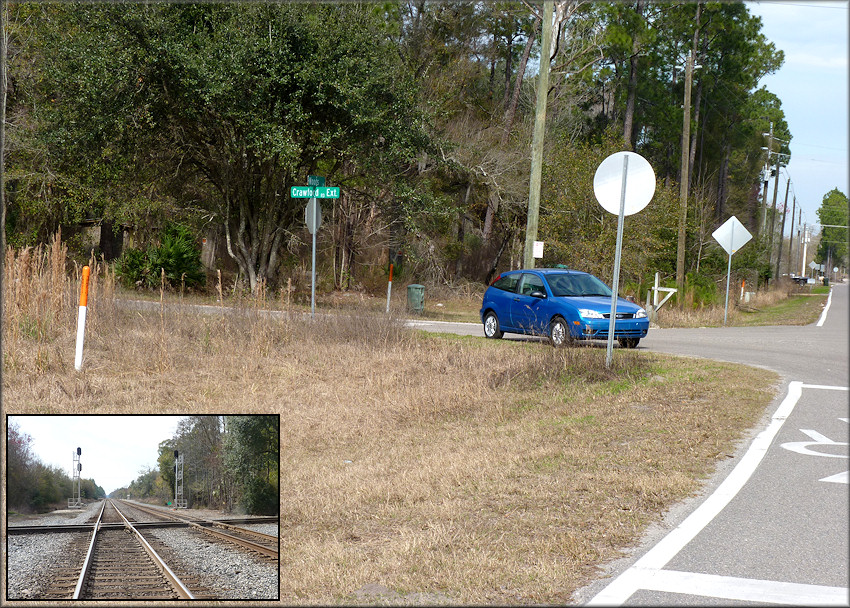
120	564
264	545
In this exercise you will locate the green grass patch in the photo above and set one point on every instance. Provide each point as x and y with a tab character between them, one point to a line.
795	310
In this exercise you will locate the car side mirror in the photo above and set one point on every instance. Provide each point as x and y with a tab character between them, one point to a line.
538	294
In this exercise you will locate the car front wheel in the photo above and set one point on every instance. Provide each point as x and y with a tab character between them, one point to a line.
629	342
559	332
491	326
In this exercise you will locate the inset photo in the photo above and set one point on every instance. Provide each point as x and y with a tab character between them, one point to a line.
142	507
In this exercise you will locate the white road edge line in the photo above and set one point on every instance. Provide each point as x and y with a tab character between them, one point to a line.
625	585
742	589
825	309
824	387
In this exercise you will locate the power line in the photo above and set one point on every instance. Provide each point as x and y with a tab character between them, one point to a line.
807	5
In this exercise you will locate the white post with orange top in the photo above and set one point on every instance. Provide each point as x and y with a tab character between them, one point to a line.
389	288
81	318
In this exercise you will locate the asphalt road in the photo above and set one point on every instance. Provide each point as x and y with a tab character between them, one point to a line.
771	526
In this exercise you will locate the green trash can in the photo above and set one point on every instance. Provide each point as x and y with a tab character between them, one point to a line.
416	298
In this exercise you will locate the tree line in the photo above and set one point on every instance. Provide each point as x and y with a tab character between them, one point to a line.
31	485
229	462
140	115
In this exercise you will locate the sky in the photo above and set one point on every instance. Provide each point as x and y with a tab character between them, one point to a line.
812	85
114	448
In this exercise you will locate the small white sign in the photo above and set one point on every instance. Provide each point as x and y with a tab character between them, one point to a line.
538	250
732	235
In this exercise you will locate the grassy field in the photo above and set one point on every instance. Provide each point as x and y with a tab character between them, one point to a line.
440	468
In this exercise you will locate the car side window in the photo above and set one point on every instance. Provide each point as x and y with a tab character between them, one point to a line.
562	285
507	283
531	283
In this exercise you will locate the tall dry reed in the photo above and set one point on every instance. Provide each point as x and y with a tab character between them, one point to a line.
41	300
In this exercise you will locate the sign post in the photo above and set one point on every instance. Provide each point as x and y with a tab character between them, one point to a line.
315	189
623	191
732	236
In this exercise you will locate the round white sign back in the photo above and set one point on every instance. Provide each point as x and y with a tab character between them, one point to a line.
608	183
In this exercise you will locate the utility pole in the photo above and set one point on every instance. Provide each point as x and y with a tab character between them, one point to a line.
539	133
782	229
683	186
686	158
766	177
791	240
805	246
773	215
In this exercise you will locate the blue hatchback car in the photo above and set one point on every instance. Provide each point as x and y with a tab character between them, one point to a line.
565	305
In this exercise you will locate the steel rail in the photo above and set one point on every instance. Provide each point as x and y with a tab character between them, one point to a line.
87	563
181	589
268	551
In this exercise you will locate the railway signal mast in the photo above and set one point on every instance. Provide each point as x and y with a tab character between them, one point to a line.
76	501
179	501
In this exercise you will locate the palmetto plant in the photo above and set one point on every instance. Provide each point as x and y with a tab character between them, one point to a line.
176	255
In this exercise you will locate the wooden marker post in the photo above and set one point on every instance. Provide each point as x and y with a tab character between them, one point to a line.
81	318
389	288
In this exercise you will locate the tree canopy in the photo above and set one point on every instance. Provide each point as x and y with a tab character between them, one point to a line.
229	462
140	114
833	216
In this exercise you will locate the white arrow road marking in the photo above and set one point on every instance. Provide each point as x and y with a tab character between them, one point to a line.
802	447
838	478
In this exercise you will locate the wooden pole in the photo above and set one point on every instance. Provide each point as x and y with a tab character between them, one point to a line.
537	139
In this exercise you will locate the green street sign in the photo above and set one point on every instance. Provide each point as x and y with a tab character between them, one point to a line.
315	180
329	192
301	192
314	192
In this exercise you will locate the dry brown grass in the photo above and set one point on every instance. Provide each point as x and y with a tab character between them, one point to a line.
479	471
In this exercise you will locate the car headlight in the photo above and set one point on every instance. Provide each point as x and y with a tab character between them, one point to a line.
640	314
590	314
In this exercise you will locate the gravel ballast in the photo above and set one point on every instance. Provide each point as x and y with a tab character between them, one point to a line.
234	574
34	558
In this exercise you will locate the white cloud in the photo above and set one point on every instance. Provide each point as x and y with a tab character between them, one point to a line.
114	448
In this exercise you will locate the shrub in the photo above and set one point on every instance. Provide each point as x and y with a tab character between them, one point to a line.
260	498
176	254
133	268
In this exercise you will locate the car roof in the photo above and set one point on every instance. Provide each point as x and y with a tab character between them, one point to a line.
547	271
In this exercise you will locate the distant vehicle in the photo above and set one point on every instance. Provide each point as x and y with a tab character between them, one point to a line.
565	305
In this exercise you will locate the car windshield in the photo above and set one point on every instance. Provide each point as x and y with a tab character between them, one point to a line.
577	285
